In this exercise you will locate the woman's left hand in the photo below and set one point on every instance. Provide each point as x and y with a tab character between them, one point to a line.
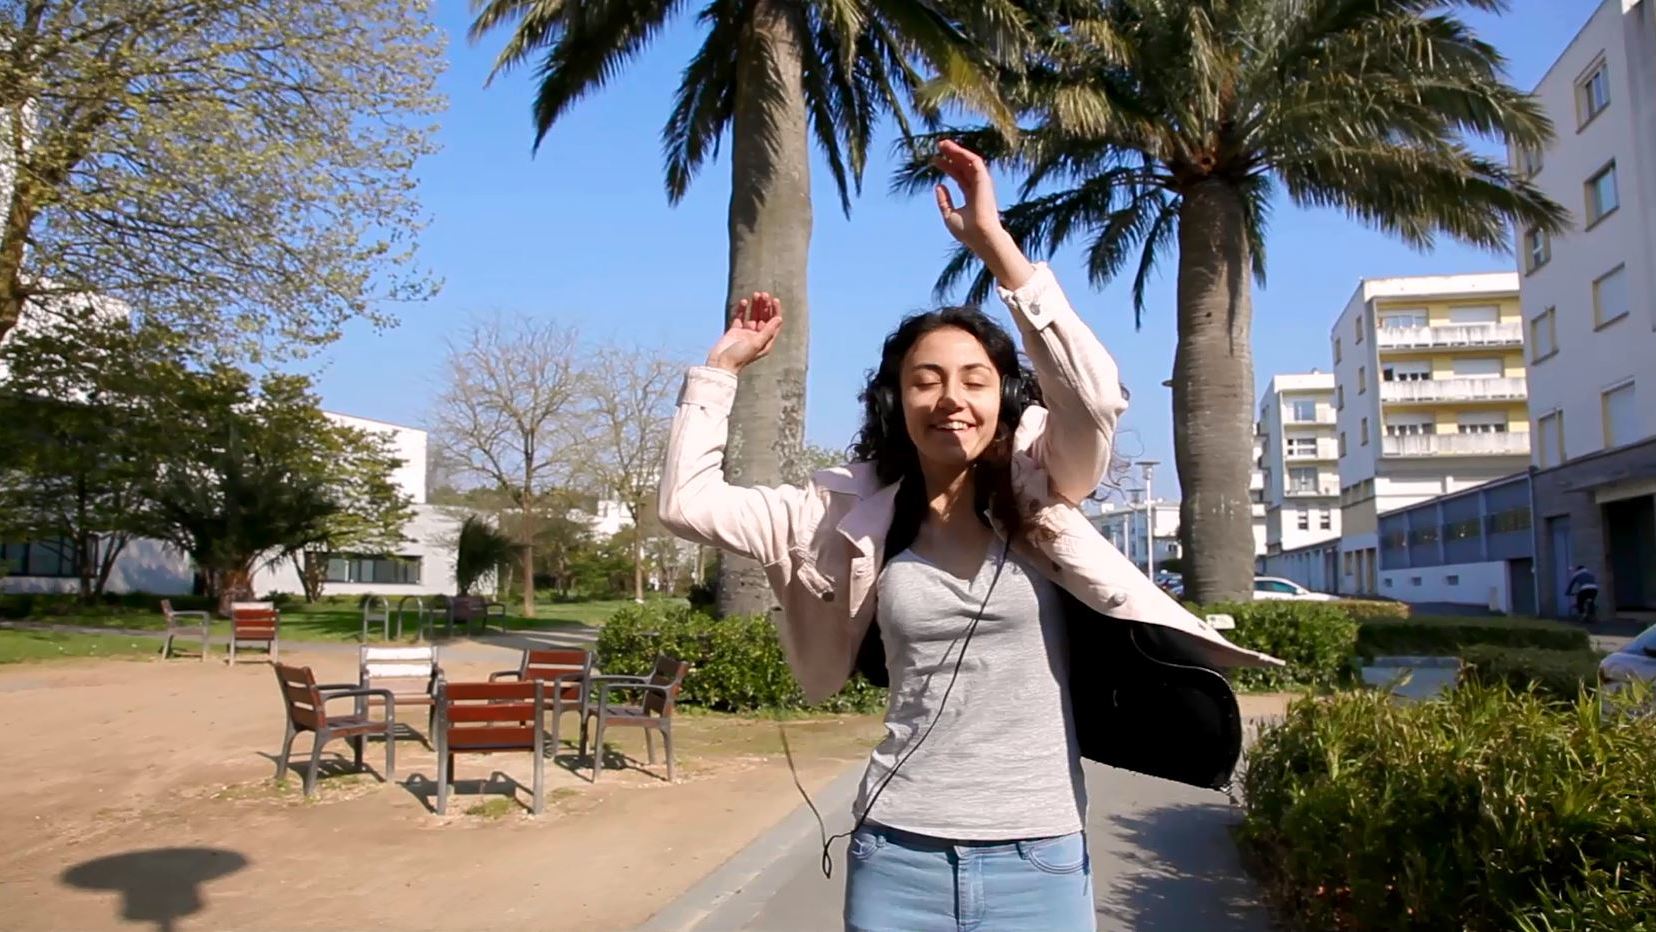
977	221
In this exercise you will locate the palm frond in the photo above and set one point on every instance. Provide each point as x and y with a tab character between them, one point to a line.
705	100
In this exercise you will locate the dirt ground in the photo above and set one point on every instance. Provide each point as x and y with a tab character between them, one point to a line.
139	793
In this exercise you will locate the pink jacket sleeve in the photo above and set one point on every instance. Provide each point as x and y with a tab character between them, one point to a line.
1080	386
696	502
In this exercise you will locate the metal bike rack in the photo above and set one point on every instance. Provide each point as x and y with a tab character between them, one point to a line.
382	615
422	615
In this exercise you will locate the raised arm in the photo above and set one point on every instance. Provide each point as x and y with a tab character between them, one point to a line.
696	502
1080	385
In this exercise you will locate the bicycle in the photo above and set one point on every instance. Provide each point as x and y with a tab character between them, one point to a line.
1587	606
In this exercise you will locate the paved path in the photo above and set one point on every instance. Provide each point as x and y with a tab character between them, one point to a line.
1162	856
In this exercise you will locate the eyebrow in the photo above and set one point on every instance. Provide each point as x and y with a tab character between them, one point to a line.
938	368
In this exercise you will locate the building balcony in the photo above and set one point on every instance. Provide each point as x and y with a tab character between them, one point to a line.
1324	415
1507	444
1449	336
1324	450
1428	391
1327	488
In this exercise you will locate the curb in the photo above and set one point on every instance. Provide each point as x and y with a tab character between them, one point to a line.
736	890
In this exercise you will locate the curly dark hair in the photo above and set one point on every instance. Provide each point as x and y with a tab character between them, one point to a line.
884	439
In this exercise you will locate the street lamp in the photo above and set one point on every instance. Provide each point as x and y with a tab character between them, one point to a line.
1148	468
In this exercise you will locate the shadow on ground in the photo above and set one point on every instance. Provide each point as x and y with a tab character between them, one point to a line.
160	885
1182	872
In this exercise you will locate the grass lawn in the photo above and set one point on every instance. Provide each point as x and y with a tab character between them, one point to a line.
21	646
327	620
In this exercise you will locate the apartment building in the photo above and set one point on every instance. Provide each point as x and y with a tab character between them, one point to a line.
1127	526
1429	399
1299	461
1588	297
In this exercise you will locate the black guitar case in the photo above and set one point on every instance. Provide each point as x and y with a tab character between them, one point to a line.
1141	702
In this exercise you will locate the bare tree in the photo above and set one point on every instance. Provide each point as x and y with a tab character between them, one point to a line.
514	391
629	410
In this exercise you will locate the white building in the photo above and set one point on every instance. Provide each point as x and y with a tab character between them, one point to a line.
1589	304
1299	461
1126	525
1429	398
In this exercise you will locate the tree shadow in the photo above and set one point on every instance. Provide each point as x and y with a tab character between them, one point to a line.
1180	870
160	885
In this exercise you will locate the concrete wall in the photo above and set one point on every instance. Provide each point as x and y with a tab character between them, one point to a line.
1482	584
432	535
1569	515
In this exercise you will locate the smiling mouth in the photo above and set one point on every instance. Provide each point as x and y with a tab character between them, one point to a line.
953	427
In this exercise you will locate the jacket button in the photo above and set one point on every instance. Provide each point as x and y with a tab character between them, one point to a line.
1117	600
828	596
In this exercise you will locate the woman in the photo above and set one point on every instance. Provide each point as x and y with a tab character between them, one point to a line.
959	520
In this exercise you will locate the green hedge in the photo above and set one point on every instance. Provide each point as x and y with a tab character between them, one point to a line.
1316	639
1560	674
736	663
43	605
1490	809
1452	636
1364	611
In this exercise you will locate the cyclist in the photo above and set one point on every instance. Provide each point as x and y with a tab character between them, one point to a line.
1584	586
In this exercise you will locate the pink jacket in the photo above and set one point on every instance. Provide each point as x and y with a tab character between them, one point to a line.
822	546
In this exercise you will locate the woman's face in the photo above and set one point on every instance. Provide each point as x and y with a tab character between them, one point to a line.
951	397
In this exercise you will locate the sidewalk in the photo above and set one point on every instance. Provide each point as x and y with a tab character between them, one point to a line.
1162	859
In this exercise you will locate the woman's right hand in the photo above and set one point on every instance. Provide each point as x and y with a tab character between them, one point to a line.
751	335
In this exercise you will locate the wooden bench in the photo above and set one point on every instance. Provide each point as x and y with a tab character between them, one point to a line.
306	711
656	694
412	674
565	673
255	623
468	608
487	718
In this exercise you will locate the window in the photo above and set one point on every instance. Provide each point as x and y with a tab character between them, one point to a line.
1414	580
1461	530
1336	349
1410	425
355	568
1339	397
1475	314
1363	434
1602	198
1305	521
1537	248
1551	428
1305	411
1481	422
1479	367
1362	379
1610	297
1326	521
38	558
1402	320
1543	334
1621	418
1529	161
1302	446
1342	444
1416	370
1452	579
1275	585
1357	328
1303	479
1510	521
1592	94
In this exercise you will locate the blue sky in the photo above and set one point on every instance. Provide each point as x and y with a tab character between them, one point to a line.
582	232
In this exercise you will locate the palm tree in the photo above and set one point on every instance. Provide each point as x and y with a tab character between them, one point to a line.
774	73
480	550
1157	126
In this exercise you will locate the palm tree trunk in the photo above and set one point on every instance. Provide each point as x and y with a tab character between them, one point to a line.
770	235
1213	394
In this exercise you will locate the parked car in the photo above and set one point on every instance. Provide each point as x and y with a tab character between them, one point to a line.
1636	661
1275	587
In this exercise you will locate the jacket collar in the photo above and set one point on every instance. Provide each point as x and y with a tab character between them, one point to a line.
869	519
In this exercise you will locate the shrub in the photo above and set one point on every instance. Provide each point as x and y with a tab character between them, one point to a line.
1451	636
1363	611
1314	638
19	606
1488	809
736	663
1560	674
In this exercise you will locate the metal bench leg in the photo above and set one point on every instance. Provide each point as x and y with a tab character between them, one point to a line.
540	769
275	650
649	747
287	748
667	744
598	750
315	762
356	749
445	772
206	644
390	745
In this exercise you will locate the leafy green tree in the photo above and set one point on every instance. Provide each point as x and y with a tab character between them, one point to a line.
775	74
76	443
1153	129
258	473
241	170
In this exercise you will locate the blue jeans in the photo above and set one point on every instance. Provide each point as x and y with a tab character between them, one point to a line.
898	880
